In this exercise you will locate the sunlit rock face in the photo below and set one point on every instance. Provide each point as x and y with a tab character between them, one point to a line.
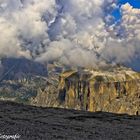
116	90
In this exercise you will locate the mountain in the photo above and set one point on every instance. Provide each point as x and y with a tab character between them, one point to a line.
116	90
112	89
134	64
22	79
17	68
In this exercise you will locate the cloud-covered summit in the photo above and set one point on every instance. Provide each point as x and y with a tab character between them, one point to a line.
70	31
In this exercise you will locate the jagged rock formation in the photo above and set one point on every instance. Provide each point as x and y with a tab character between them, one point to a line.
117	90
45	98
48	96
21	78
29	82
21	90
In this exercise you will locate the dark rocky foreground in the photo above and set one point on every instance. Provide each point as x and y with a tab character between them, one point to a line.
34	123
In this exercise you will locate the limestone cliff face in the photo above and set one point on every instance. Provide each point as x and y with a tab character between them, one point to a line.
116	91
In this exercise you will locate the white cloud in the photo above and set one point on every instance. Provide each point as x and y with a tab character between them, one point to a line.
69	31
126	48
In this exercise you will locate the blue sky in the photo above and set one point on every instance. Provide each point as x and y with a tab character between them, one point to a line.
134	3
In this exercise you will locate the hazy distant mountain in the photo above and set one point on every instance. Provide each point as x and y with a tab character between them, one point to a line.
134	64
17	68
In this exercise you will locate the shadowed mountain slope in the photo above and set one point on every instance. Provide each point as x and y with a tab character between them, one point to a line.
61	124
